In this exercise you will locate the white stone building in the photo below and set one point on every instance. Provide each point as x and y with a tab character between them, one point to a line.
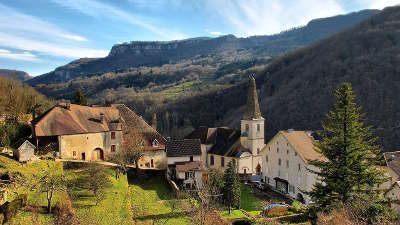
286	163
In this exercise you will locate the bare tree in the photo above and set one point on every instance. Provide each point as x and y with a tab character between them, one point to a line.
97	181
51	182
133	148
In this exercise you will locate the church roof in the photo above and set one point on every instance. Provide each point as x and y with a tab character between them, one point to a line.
252	107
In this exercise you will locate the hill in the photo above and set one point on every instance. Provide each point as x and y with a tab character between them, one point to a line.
296	91
155	54
16	74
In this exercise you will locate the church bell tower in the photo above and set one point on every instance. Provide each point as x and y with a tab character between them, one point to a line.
252	123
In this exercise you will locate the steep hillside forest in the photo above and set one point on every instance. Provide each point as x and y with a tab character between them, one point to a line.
19	100
296	90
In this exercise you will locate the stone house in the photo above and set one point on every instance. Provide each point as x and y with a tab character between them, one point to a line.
95	133
393	172
286	163
24	151
221	145
184	163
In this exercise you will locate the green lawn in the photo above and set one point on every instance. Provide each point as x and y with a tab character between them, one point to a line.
248	202
29	172
114	209
152	202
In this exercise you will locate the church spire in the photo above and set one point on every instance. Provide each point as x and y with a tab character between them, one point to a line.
252	108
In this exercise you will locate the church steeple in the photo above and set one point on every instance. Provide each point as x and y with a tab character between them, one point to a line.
252	108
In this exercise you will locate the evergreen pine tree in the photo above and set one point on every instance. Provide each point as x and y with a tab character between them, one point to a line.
350	152
231	189
79	98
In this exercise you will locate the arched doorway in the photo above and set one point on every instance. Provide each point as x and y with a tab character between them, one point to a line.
98	154
300	198
258	169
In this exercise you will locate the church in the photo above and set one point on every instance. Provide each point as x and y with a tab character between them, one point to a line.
220	145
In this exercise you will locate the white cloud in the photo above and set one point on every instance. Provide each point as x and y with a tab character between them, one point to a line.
13	21
23	56
380	4
216	33
257	17
28	33
100	10
17	42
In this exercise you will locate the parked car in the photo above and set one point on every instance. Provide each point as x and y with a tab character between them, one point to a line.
257	184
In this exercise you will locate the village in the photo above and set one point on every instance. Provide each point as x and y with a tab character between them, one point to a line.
275	175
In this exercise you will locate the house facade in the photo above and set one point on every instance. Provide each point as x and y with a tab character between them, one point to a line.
24	150
93	133
184	163
286	163
221	145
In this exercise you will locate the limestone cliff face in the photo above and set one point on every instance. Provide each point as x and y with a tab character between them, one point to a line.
156	53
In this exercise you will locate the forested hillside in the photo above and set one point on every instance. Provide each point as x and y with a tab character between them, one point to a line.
296	90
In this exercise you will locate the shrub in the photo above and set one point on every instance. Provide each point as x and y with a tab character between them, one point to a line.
64	213
296	205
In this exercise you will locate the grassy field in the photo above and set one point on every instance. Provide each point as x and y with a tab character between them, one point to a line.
152	203
114	209
30	173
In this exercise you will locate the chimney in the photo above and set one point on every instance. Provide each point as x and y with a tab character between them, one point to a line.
154	121
101	117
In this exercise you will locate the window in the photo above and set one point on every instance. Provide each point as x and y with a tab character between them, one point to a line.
112	148
211	160
295	153
244	171
279	162
155	143
234	161
113	135
189	175
151	163
247	127
269	148
287	151
258	127
222	161
266	158
268	180
191	158
277	150
277	143
299	167
291	188
258	151
287	163
74	153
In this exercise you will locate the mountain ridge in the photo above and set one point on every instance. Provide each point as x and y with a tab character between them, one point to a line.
156	53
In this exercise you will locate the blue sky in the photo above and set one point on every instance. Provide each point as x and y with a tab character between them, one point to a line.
38	36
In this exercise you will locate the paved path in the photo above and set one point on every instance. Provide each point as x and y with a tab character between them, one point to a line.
97	162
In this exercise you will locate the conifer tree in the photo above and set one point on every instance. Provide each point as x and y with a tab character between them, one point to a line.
231	190
79	98
351	155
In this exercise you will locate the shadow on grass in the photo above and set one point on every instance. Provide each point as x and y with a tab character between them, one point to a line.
156	182
164	216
